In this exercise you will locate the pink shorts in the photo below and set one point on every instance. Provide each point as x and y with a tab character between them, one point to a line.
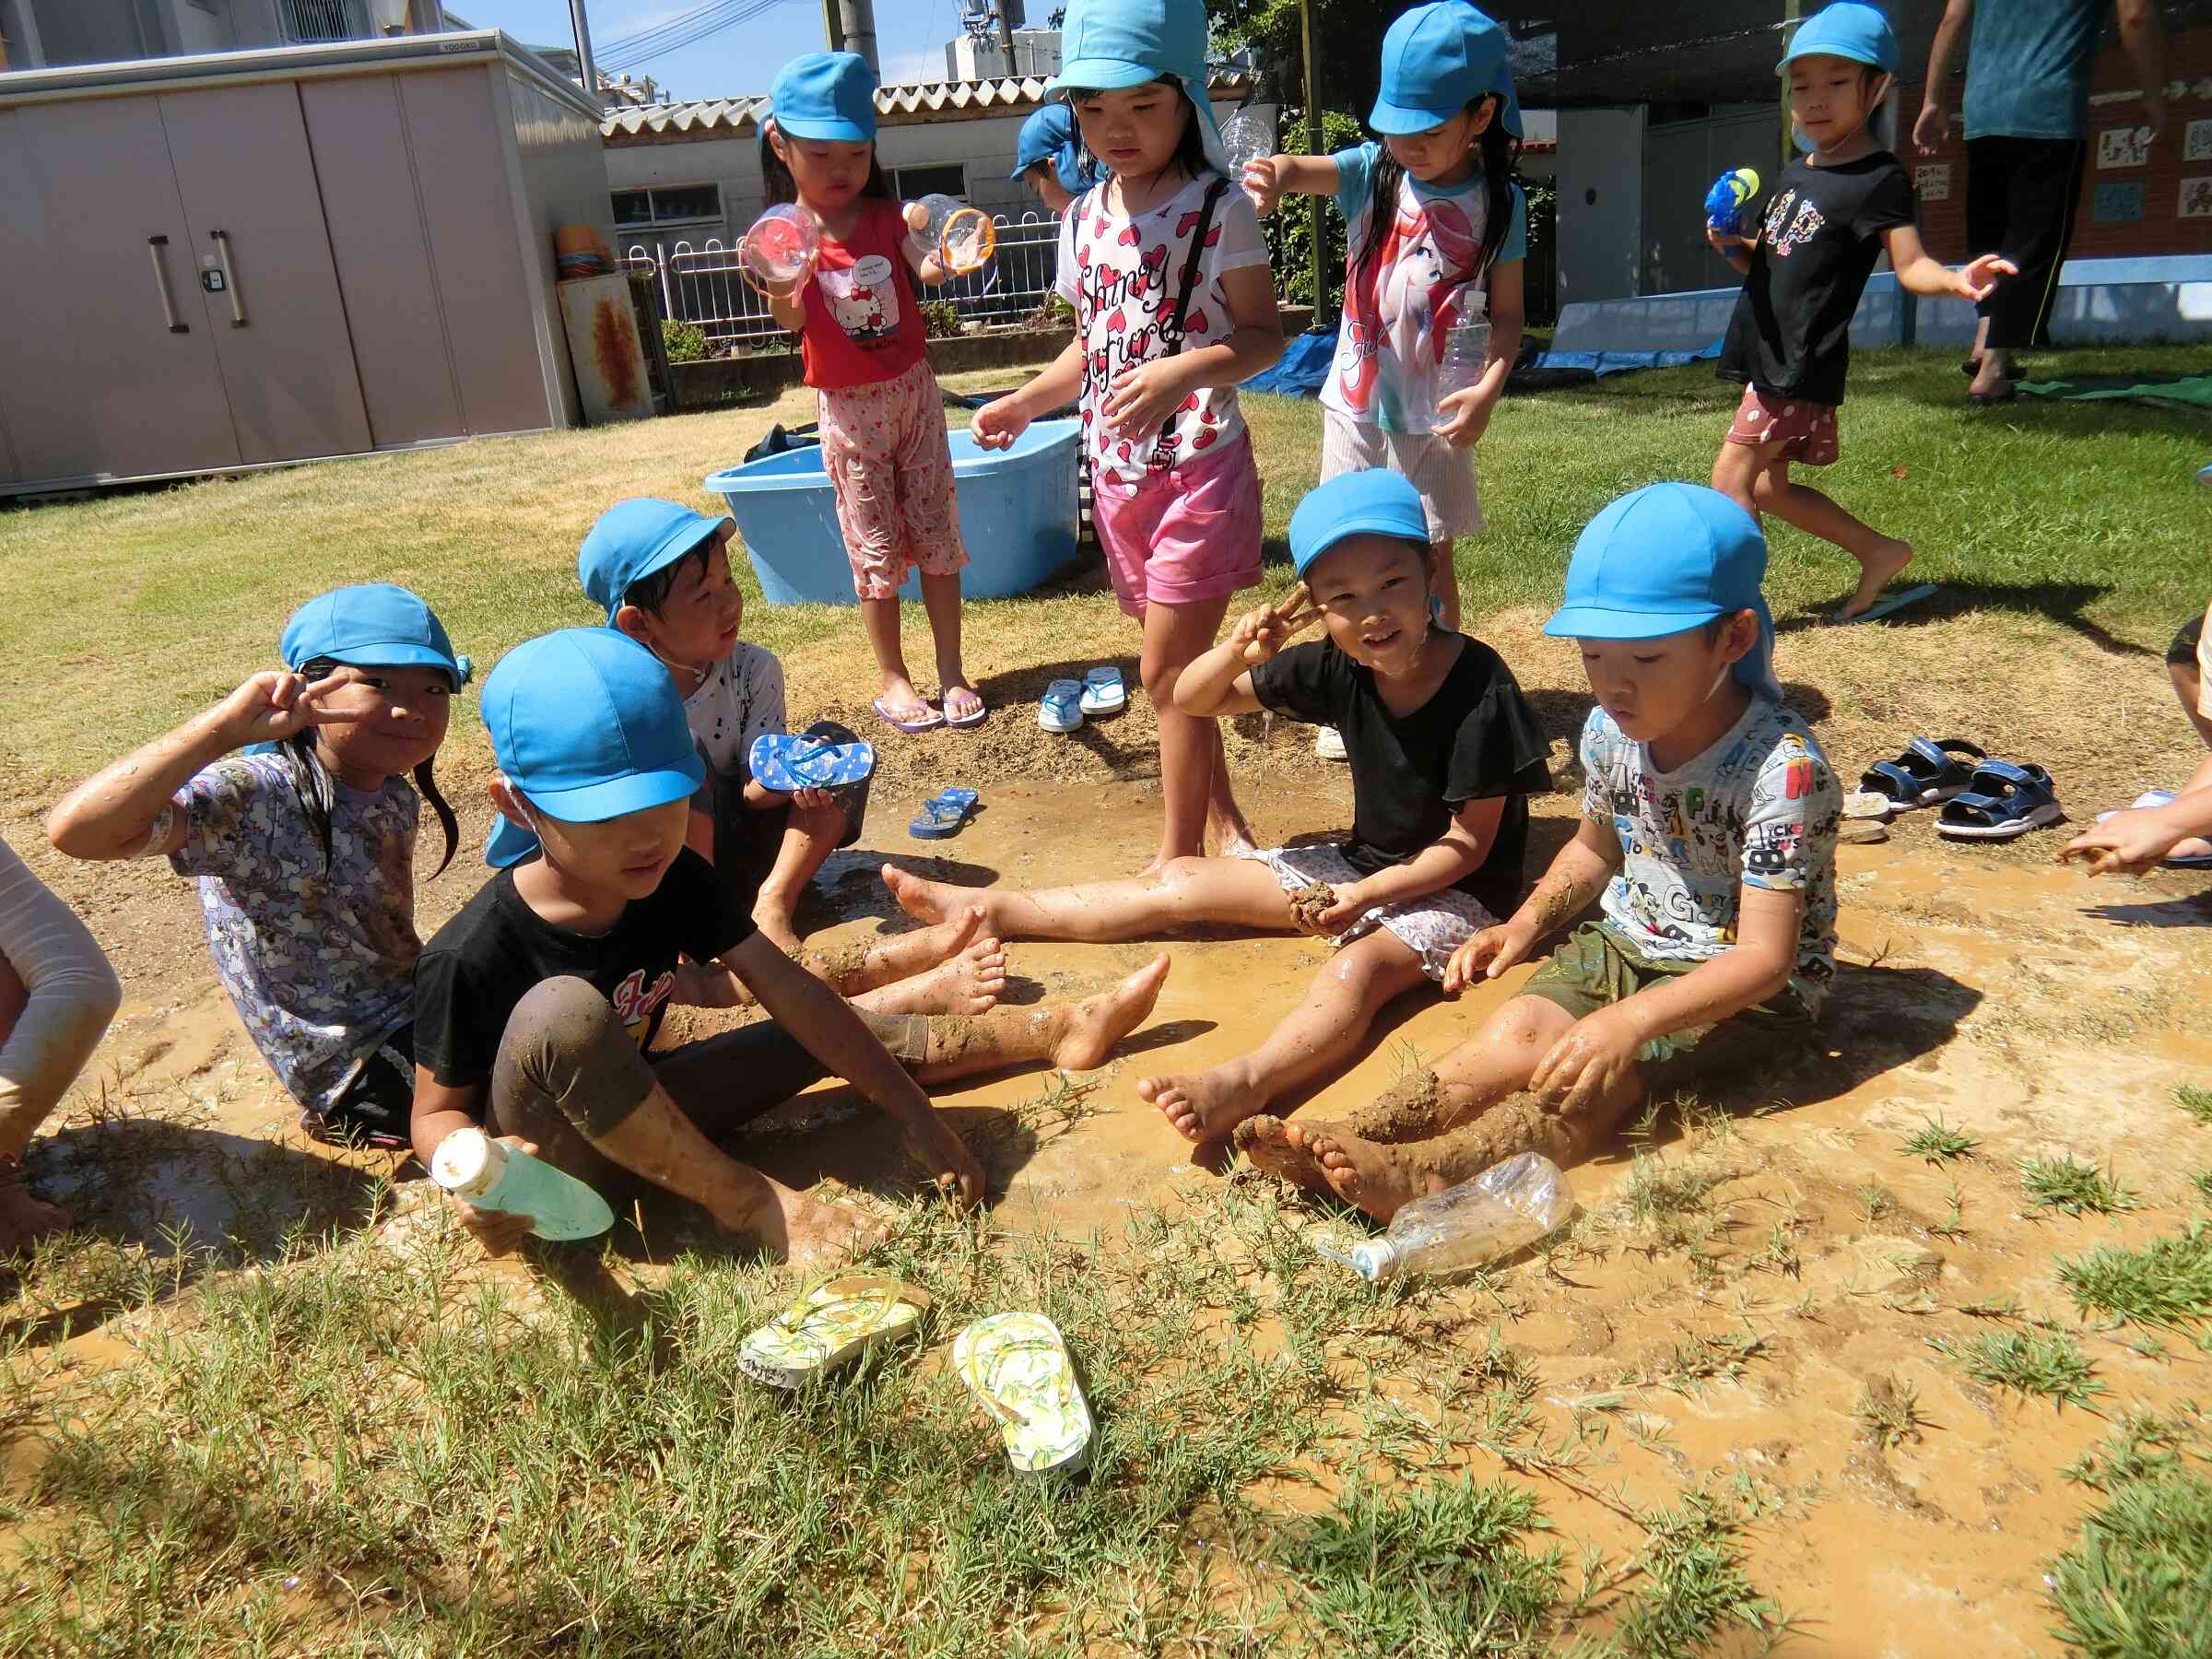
1806	431
1186	534
891	466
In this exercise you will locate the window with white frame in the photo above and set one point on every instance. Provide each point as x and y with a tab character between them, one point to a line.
667	204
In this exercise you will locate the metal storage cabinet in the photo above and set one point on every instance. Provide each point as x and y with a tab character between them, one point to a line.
258	257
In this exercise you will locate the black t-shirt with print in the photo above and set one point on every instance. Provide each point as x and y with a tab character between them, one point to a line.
1820	234
484	961
1473	739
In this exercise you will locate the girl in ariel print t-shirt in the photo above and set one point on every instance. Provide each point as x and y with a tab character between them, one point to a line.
1166	271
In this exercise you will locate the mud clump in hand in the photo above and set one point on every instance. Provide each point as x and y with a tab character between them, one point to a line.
1310	902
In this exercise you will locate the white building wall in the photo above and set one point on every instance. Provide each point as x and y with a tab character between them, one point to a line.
1601	203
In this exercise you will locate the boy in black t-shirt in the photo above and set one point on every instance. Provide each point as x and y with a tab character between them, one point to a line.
1829	217
535	1006
1444	753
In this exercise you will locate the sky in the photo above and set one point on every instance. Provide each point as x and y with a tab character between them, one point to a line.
910	36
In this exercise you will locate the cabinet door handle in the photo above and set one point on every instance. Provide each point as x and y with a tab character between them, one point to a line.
237	306
154	244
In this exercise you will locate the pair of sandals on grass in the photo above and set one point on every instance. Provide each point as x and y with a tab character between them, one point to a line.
787	763
1067	703
1017	1364
1981	798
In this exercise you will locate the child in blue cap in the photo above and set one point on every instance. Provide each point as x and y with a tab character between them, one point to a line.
1049	158
1444	753
303	845
1167	270
537	1004
1833	212
1436	232
1709	838
662	573
865	351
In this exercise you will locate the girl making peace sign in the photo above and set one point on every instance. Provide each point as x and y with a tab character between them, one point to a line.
1443	752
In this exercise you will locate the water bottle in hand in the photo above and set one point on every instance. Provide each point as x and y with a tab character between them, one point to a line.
1508	1205
469	1164
1467	354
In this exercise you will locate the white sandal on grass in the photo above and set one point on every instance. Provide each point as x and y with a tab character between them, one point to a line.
1018	1365
831	1326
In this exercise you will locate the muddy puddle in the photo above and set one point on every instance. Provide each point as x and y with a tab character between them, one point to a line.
2020	1003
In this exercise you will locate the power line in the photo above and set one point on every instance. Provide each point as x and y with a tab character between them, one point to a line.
688	29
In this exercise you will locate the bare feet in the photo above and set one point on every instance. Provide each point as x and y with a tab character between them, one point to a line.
1267	1148
970	982
24	1220
1205	1105
1878	569
927	901
807	1231
1089	1028
777	926
1376	1178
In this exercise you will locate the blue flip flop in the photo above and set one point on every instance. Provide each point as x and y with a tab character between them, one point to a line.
1887	605
942	814
783	762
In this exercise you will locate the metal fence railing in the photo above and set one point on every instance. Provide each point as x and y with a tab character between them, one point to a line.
308	22
705	287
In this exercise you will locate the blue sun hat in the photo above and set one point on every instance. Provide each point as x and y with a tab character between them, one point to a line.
826	96
374	625
1436	61
633	539
586	726
1374	503
1847	29
1050	136
1663	559
1110	46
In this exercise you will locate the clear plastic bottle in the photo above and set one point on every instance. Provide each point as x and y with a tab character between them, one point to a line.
1467	354
470	1164
1506	1206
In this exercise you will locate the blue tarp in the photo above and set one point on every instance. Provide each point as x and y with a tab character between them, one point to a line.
1303	367
1602	364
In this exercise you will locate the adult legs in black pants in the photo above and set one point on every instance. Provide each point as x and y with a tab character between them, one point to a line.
2021	194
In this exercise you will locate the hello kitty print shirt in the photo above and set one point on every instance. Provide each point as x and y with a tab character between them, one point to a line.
1121	274
863	323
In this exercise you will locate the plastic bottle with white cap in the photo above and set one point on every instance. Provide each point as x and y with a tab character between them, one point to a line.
1508	1205
470	1165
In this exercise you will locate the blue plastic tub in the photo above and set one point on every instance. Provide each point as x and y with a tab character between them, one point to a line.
1017	516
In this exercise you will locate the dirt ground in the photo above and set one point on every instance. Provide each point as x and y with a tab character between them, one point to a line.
2021	1003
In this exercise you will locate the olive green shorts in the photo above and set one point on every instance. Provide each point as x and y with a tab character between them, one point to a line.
1596	967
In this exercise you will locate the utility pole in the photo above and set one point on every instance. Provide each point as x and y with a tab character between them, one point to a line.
588	70
833	26
1006	32
1793	12
1320	279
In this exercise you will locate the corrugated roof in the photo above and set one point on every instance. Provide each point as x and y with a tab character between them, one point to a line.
894	106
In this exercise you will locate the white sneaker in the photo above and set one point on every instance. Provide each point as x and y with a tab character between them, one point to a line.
1328	743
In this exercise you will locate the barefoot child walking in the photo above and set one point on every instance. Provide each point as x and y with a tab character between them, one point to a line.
537	1003
1444	753
1168	272
864	346
1709	837
1829	217
1436	235
303	845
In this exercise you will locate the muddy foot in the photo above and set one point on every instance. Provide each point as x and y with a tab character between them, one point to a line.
1879	569
810	1233
775	926
1268	1148
1377	1179
1204	1105
928	901
926	946
1094	1025
24	1220
970	982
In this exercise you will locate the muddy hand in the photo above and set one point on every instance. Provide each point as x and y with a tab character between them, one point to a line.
1586	1064
937	1148
1486	956
1264	631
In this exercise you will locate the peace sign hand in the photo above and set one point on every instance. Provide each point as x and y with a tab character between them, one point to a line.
271	707
1261	633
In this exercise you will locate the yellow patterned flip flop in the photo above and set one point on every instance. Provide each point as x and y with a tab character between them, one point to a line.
833	1324
1018	1365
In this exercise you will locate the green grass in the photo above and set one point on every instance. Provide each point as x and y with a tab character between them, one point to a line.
2196	1101
2168	1282
2137	1584
1888	1412
2066	1182
2049	1363
1940	1143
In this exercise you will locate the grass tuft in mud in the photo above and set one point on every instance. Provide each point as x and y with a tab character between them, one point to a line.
1940	1143
2196	1101
2066	1182
2137	1584
2168	1282
2049	1363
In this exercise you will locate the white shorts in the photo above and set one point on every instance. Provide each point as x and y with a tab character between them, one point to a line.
1445	477
1432	926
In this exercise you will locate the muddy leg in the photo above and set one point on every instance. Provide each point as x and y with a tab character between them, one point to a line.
1075	1036
970	983
810	835
1409	1110
1188	890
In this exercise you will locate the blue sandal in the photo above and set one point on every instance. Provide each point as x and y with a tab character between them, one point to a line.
2002	802
1925	773
785	764
942	814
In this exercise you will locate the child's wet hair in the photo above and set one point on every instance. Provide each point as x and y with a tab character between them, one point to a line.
783	187
1190	149
650	592
317	791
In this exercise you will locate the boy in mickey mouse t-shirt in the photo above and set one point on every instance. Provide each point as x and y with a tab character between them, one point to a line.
1829	216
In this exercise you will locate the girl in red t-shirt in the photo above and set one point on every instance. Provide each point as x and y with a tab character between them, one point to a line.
862	337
